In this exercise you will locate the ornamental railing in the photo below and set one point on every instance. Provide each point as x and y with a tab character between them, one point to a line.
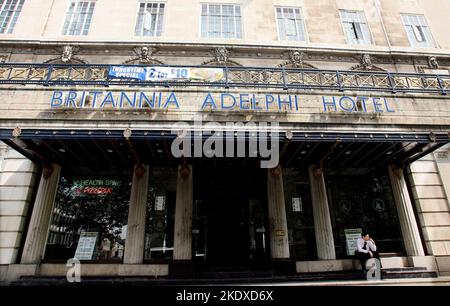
231	77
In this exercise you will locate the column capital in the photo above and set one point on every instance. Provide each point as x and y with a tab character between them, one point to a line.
397	170
48	169
317	170
139	170
275	172
185	171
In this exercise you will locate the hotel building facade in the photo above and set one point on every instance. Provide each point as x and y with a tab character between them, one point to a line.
353	96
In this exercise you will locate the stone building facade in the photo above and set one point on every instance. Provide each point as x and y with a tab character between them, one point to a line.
359	92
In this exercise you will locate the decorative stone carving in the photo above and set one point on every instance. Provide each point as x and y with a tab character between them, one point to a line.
67	53
366	60
144	55
67	56
127	133
433	66
296	59
17	131
221	57
366	64
433	62
4	58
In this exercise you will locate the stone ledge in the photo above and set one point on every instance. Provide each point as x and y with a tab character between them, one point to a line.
326	265
346	264
107	270
10	273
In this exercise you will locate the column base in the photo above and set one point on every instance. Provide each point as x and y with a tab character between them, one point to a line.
14	272
428	262
443	265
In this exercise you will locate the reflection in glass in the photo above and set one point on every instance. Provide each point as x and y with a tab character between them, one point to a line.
160	213
362	199
92	204
300	219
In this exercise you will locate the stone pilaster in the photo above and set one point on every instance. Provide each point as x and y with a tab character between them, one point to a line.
321	211
279	242
408	224
183	214
134	243
41	216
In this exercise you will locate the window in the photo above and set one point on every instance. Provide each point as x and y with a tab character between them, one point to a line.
419	34
159	227
150	19
356	28
221	21
290	24
299	214
9	12
78	18
89	218
362	199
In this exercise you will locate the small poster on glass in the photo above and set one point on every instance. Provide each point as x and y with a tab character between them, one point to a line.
351	237
86	246
160	203
297	205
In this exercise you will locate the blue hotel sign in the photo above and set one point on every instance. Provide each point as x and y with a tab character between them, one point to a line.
215	101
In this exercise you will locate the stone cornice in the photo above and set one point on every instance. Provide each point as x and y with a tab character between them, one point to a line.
254	48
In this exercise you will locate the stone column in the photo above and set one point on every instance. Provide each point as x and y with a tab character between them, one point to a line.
279	242
182	244
321	212
42	213
134	243
408	224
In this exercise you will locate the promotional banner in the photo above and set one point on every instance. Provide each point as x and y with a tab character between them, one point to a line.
166	73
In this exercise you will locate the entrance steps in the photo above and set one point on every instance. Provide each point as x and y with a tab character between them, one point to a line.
237	277
408	272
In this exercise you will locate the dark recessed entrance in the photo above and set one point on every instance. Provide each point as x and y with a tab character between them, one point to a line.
230	215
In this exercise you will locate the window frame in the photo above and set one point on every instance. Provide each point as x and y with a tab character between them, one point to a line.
367	41
136	17
67	32
14	16
417	44
221	4
303	20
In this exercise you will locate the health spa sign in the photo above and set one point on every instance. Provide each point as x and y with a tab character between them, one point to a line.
218	101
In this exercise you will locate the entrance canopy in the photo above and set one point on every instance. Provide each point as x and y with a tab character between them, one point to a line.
86	147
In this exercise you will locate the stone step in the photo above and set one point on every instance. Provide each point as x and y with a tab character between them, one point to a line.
404	269
408	272
237	277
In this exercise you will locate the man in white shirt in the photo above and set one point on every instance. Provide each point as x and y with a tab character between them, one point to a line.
366	249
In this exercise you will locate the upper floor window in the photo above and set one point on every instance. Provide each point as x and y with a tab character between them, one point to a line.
419	33
356	28
150	19
290	24
221	21
78	18
9	13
